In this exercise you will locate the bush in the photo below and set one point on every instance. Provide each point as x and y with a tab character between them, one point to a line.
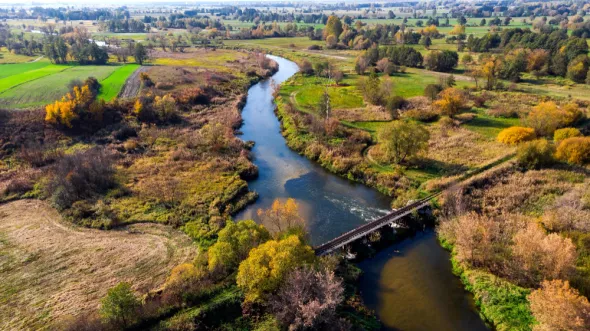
451	102
574	150
81	176
515	135
535	154
565	133
557	306
422	115
120	305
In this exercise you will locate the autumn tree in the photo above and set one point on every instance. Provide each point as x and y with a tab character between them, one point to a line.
546	117
360	65
384	66
577	68
234	242
401	140
268	264
120	305
308	299
557	306
515	135
450	103
185	281
69	107
537	256
283	218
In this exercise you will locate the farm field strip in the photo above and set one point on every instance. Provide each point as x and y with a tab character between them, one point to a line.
7	70
16	80
112	84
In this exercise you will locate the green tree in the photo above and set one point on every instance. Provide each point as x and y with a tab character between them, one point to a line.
401	140
120	305
578	68
140	53
425	41
333	27
234	242
267	265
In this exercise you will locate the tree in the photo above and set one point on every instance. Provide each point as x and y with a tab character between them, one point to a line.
234	242
306	67
140	53
384	66
442	61
557	306
120	305
268	264
325	106
431	91
425	41
361	65
515	135
308	299
578	68
401	140
333	27
535	154
283	218
450	103
574	150
537	256
546	117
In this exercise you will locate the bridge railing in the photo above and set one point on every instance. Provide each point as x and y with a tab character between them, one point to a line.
371	226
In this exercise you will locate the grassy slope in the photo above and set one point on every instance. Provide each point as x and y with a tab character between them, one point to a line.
113	83
50	86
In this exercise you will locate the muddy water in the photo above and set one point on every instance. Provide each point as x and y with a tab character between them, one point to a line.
410	285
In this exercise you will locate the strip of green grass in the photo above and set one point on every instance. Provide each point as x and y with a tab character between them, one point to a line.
15	80
112	84
7	70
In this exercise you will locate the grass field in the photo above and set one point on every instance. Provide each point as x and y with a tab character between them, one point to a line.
18	79
40	253
7	57
7	70
39	87
113	83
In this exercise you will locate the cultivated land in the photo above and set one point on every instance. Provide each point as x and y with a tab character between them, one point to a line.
52	271
112	85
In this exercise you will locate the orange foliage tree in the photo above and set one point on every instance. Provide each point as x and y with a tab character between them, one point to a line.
67	109
282	217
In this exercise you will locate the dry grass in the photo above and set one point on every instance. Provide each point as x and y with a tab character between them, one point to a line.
50	270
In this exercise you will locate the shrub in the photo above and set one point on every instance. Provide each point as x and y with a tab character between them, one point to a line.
562	134
574	150
515	135
81	176
535	154
422	115
546	117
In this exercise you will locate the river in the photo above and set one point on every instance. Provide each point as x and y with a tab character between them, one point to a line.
410	285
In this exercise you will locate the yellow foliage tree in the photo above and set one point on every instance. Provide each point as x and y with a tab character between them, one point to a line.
268	264
546	117
451	102
283	218
65	110
516	134
574	150
430	31
458	29
137	107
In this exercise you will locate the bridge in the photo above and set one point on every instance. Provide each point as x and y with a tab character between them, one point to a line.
372	226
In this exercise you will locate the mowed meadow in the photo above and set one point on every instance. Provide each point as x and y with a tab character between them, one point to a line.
34	84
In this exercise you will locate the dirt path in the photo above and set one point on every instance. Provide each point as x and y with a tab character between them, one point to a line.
132	85
51	270
37	59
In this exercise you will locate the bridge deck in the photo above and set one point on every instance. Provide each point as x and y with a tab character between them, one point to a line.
368	228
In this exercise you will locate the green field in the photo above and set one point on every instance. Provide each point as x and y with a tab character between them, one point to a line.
113	83
15	80
39	87
7	70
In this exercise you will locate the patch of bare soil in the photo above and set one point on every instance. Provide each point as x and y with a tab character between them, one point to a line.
50	270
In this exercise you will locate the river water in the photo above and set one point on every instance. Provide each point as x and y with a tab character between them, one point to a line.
410	285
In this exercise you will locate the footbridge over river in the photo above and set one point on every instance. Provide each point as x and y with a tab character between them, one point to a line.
368	228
